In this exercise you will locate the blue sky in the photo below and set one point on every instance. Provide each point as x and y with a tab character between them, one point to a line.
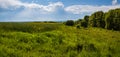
52	10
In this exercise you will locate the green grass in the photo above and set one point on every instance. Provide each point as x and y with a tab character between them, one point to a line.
57	40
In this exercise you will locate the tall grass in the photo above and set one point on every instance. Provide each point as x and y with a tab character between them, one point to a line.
56	40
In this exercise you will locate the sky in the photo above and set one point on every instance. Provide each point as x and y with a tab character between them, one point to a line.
52	10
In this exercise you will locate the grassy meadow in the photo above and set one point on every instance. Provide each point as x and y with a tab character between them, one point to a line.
37	39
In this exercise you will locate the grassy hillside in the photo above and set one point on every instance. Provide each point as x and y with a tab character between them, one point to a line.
57	40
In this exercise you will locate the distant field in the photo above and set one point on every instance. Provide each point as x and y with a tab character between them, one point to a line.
57	40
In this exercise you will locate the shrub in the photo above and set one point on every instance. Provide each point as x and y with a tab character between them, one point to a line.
70	23
84	24
78	26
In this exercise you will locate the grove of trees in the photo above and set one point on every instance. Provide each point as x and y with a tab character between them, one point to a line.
112	19
108	20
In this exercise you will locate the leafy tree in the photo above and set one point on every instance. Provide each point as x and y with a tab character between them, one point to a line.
70	22
97	19
78	21
86	18
84	24
109	20
112	19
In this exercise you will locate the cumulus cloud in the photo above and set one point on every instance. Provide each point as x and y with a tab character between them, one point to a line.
34	11
30	11
14	4
114	2
6	4
79	9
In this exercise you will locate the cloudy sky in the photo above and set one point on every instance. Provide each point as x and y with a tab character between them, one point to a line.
52	10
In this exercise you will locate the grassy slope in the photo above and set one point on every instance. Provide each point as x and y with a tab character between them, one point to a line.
57	40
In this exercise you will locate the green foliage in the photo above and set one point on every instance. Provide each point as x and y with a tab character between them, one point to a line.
86	18
109	20
29	27
97	19
51	39
70	22
84	24
112	19
56	40
78	21
78	26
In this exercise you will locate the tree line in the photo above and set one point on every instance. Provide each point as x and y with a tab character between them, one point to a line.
108	20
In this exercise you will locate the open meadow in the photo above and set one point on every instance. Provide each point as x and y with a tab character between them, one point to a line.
59	28
36	39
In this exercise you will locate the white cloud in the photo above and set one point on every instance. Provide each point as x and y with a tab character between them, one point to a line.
114	2
33	15
79	9
8	4
32	11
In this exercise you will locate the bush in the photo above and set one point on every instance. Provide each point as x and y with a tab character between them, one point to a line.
70	23
78	26
84	24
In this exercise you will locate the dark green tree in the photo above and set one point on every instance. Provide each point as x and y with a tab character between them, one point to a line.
97	19
70	22
112	19
86	18
84	22
78	21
